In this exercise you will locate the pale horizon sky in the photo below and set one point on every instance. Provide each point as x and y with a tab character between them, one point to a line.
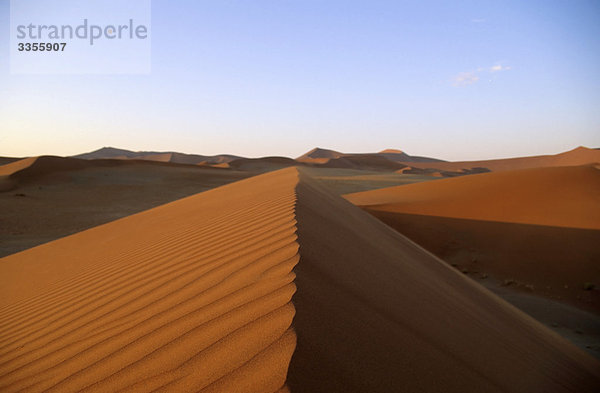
475	80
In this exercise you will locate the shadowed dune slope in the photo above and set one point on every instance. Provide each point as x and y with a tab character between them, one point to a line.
553	262
8	160
377	313
559	196
191	296
363	161
33	167
265	164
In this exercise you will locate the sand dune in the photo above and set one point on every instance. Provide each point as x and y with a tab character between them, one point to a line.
319	156
559	196
363	162
389	159
8	160
400	156
173	157
385	160
536	229
34	167
376	313
38	166
28	168
212	292
575	157
144	303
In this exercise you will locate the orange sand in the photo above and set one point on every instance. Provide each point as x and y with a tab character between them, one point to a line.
196	295
193	295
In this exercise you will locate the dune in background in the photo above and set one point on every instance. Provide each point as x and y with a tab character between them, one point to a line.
218	291
172	157
32	168
388	160
47	198
576	157
323	156
560	196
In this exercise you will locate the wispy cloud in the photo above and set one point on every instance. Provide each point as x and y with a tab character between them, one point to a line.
499	67
478	20
471	77
466	78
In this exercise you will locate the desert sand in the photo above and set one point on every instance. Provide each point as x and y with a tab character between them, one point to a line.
270	283
193	295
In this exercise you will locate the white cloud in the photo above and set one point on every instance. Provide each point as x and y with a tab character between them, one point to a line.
478	20
499	67
466	78
471	77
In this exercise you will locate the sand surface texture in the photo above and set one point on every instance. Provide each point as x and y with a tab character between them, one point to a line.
190	296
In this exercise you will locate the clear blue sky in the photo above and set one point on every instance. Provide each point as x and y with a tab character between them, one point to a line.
476	79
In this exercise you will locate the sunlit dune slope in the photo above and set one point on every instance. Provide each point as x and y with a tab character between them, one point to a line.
558	196
579	156
190	296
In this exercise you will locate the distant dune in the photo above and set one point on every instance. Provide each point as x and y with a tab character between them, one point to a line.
8	160
388	160
263	283
364	162
28	168
575	157
385	159
173	157
31	168
45	198
559	196
319	156
37	166
400	156
261	165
